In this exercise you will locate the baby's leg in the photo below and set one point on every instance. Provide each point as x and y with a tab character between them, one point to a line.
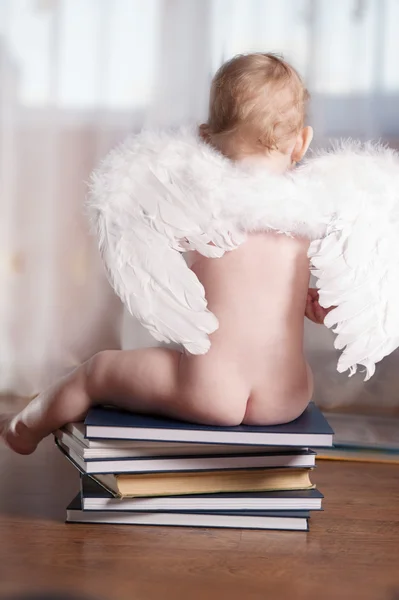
110	376
153	380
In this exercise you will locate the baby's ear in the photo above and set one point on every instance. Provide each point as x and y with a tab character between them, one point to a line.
302	144
204	132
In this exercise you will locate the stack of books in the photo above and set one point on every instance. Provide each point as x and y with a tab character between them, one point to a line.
152	471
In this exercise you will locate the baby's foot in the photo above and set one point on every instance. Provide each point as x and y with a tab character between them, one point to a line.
17	435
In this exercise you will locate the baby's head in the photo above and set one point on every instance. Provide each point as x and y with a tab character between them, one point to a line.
257	112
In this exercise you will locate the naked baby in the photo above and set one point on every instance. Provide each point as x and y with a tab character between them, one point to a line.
239	314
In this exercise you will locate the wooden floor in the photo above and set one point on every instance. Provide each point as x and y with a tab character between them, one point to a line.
351	551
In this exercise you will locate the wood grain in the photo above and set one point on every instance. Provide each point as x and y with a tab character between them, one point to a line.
352	550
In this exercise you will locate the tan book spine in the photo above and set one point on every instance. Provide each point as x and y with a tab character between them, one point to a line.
251	480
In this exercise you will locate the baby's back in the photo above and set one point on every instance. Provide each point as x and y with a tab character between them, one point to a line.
258	292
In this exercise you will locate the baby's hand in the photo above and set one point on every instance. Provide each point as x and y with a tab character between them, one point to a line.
313	310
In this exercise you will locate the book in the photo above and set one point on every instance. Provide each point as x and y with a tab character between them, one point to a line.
365	431
106	449
290	458
202	482
297	521
95	497
354	454
310	429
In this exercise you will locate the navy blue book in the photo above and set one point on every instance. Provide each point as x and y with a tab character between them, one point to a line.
310	429
96	497
295	520
292	457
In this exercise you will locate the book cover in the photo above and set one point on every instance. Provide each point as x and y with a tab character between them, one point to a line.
139	464
114	448
205	482
310	429
288	520
95	497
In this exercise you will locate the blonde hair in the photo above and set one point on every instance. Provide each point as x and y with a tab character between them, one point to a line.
257	103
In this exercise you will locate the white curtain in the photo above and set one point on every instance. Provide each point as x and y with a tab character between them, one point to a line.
76	77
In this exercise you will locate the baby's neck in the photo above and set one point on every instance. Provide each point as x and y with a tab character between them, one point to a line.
275	162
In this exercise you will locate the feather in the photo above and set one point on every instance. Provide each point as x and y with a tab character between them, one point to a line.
356	264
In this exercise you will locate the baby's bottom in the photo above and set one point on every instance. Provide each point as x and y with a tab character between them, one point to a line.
154	380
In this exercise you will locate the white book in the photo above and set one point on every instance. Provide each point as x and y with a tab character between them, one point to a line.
104	449
139	464
250	520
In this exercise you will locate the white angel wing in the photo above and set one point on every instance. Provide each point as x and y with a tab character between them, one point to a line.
144	221
157	287
357	263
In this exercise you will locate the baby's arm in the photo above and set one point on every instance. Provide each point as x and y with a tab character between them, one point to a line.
313	310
